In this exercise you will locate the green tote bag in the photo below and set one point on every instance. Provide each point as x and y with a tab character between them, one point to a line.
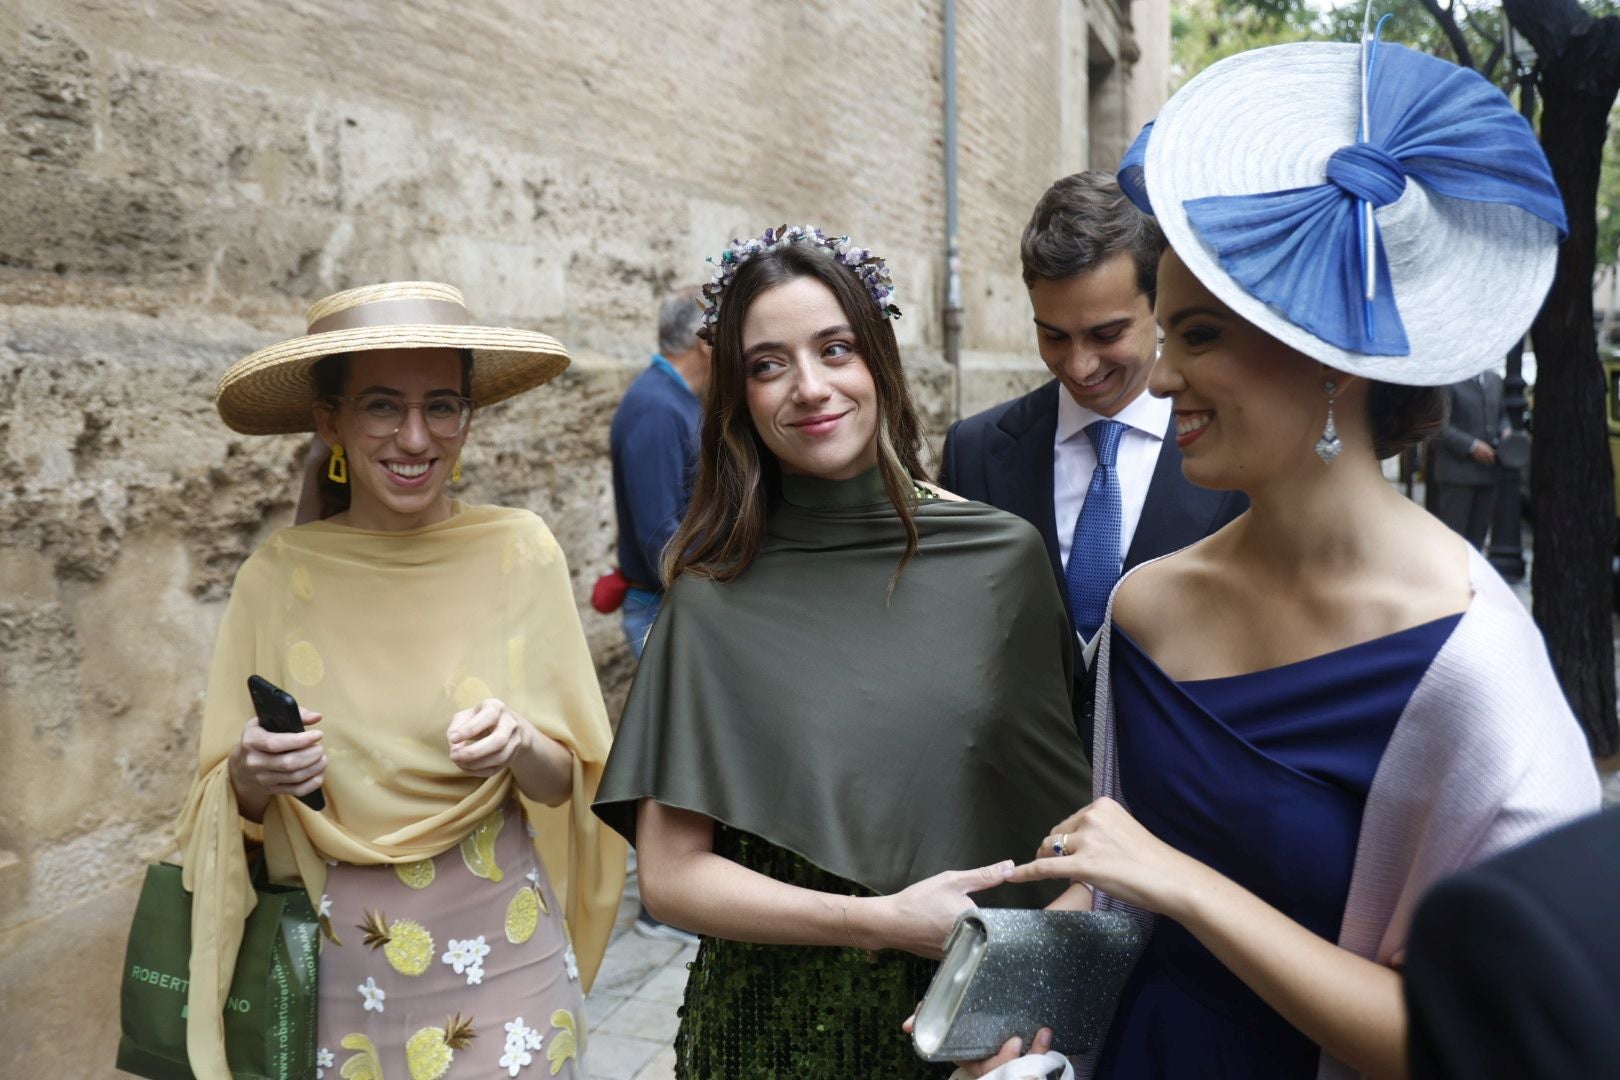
270	1014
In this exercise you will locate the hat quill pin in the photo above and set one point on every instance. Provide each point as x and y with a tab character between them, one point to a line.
1369	224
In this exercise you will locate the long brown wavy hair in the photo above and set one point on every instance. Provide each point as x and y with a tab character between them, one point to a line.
737	474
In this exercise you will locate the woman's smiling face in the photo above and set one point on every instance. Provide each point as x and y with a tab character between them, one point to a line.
1246	405
810	394
397	481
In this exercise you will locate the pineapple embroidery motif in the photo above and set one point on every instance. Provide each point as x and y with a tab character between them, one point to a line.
406	943
430	1051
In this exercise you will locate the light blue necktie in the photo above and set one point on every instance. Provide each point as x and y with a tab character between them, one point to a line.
1094	557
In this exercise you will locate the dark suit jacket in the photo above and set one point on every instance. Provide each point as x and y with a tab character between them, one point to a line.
1513	967
1004	457
1476	413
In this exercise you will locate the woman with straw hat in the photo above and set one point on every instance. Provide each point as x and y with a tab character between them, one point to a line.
1308	718
455	729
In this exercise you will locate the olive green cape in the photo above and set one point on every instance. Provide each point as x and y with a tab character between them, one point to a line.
884	739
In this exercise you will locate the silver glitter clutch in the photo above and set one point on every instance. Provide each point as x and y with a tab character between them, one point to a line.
1011	972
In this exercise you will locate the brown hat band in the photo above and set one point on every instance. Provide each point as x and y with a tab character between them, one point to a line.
402	311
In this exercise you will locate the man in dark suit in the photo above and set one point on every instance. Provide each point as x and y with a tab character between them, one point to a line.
1513	967
1091	262
1462	458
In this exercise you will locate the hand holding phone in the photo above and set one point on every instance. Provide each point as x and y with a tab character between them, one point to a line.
278	712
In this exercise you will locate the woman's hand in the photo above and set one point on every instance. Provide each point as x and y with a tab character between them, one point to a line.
265	763
484	738
1106	848
490	737
919	917
1011	1050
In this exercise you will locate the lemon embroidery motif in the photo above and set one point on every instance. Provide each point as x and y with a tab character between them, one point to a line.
303	585
478	847
523	912
365	1064
564	1040
430	1051
416	875
406	944
304	663
470	691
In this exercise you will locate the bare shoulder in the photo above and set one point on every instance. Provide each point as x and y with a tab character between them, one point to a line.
948	496
1156	596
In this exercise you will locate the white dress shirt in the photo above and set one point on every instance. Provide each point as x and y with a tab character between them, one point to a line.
1074	459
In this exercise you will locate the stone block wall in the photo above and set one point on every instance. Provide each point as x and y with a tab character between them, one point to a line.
180	178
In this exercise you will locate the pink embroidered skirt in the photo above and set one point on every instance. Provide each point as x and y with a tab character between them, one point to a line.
456	966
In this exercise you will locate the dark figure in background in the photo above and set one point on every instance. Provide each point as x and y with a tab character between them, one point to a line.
1463	456
654	442
1090	261
1514	967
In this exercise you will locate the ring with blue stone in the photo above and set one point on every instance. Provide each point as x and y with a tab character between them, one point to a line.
1058	846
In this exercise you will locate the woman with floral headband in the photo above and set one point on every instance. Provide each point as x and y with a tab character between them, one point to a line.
455	731
856	687
1307	719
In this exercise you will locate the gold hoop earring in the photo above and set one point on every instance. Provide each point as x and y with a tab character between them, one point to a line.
337	469
455	473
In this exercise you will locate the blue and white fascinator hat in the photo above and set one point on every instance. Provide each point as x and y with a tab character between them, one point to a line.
1378	209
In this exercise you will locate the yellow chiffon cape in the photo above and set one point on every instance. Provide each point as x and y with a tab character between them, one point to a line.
387	635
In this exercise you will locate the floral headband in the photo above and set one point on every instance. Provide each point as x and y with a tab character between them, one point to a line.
868	267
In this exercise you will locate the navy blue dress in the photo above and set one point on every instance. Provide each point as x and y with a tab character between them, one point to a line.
1262	777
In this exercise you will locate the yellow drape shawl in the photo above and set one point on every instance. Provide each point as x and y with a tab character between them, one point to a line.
387	635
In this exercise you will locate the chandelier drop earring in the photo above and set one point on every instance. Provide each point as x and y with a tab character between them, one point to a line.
1329	446
455	473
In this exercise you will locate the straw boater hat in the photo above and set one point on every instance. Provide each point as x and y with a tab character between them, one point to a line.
1264	171
271	392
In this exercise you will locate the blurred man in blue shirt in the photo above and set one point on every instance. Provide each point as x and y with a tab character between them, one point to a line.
655	444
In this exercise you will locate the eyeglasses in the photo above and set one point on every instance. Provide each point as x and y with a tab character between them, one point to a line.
381	415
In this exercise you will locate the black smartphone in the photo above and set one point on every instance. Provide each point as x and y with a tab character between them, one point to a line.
277	711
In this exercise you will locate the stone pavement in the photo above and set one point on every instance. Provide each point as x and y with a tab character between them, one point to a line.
631	1011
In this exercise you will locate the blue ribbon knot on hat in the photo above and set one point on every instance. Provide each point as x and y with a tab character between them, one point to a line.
1301	250
1365	171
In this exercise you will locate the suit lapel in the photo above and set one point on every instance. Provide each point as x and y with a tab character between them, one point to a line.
1020	479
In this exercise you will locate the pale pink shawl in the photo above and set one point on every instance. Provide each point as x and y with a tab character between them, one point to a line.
1486	755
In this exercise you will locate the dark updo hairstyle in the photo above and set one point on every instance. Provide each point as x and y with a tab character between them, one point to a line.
1403	416
329	374
737	475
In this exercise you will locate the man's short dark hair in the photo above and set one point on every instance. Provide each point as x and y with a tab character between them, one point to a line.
1081	221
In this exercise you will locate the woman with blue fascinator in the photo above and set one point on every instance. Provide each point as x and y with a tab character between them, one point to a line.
1308	718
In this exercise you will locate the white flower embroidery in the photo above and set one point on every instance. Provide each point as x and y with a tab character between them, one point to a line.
372	993
324	1059
514	1059
521	1039
466	957
534	879
456	955
570	962
326	906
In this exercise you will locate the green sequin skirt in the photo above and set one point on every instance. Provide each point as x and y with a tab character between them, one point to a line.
788	1012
